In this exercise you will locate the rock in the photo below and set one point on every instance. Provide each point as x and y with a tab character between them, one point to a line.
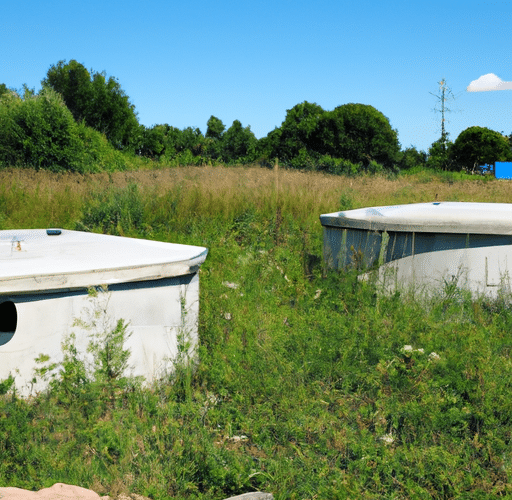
58	491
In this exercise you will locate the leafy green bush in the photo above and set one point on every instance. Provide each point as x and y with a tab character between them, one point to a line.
39	132
98	154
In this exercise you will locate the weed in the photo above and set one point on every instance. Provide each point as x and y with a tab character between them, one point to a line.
114	211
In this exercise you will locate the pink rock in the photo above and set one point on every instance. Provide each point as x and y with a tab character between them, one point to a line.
58	491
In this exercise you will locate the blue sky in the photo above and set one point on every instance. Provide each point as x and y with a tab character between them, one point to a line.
181	62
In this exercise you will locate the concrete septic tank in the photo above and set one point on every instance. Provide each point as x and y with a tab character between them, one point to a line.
45	276
425	245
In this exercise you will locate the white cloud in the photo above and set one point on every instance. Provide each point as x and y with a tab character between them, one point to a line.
489	82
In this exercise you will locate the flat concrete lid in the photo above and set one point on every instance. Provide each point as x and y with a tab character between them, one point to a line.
33	260
436	217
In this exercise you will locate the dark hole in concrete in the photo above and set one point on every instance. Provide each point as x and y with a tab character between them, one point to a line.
8	321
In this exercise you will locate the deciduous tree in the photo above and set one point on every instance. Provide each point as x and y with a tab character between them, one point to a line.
215	128
359	133
479	145
96	99
299	132
238	143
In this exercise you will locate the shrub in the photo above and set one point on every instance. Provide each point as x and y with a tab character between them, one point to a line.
39	132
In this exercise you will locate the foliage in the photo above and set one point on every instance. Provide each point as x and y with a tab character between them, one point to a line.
238	144
107	338
177	142
361	134
479	145
298	132
440	155
352	138
114	211
151	142
356	133
215	128
99	102
411	157
39	131
213	138
99	154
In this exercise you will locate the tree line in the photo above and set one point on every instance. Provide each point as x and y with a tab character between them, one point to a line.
82	120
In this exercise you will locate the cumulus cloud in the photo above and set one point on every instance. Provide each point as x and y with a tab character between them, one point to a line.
489	82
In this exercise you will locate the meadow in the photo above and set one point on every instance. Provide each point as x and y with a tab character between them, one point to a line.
310	385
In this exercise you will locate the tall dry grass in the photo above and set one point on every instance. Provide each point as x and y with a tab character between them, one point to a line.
39	198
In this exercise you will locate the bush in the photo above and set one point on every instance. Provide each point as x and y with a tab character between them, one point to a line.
98	153
39	132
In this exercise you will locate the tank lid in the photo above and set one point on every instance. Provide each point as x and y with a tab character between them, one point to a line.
33	260
435	217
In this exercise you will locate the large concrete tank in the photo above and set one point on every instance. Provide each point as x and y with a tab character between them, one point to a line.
45	276
426	245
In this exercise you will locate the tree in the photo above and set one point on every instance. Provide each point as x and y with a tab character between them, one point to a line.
238	143
298	134
215	128
358	133
214	133
445	93
99	101
151	141
268	147
479	145
439	156
411	157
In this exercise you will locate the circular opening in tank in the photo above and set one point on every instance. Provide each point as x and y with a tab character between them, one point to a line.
8	321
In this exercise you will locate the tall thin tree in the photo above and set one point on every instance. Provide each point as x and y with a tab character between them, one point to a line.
445	93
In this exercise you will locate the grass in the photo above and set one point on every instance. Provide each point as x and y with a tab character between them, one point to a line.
310	384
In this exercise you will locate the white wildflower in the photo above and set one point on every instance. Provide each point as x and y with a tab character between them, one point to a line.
409	349
233	286
388	438
237	439
433	356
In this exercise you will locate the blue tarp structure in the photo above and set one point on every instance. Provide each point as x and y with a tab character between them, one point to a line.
503	170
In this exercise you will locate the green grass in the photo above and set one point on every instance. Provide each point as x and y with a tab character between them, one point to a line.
305	386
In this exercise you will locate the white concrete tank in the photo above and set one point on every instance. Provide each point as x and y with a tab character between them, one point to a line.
44	280
426	245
